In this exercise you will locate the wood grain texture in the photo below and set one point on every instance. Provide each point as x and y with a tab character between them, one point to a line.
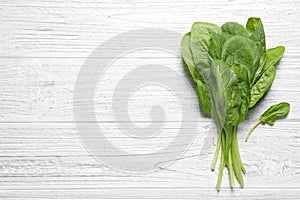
75	28
178	193
43	45
41	90
35	153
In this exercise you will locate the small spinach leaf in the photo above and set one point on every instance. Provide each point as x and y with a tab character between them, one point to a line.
275	112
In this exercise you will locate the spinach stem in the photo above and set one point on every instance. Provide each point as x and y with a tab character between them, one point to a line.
220	175
213	164
236	150
231	173
227	141
237	170
251	130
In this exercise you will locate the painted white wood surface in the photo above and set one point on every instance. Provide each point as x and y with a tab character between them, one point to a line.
43	46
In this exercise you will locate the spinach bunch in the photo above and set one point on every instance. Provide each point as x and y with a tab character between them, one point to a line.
232	70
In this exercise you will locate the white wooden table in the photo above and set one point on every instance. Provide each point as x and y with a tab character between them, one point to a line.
43	46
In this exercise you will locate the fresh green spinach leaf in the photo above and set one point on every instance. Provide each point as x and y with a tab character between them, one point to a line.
230	29
275	112
202	91
262	86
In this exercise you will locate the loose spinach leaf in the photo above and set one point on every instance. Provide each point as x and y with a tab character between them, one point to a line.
275	112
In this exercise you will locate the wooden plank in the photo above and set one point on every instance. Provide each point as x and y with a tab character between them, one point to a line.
47	156
41	90
74	29
177	193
